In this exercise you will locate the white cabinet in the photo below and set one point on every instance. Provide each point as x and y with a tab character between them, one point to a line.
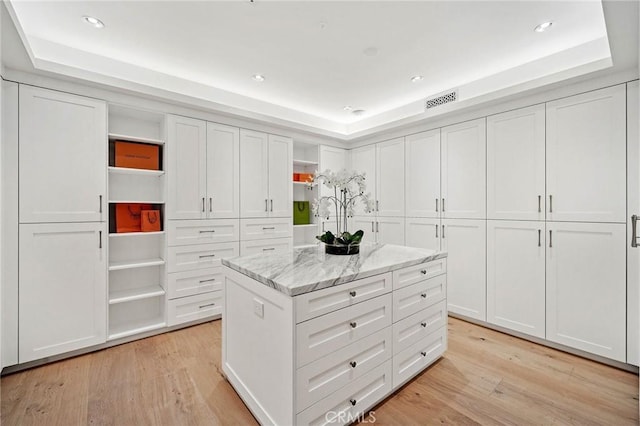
63	296
633	208
422	174
465	243
516	275
334	159
363	161
265	175
463	162
382	230
586	280
422	233
223	171
62	157
516	164
586	157
389	179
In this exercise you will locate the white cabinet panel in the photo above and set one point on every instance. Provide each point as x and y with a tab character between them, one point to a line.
389	178
422	174
516	164
516	276
363	160
254	168
280	176
63	292
422	233
259	229
463	172
200	256
192	308
418	356
390	230
416	297
272	245
465	243
189	283
633	206
186	232
223	171
586	157
62	157
586	277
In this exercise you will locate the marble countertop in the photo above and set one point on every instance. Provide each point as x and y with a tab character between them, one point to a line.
309	269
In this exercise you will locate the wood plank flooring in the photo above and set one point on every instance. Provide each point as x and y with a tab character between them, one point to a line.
485	377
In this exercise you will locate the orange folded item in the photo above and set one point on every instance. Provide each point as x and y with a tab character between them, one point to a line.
137	155
150	220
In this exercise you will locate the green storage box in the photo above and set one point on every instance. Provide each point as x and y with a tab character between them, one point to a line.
301	213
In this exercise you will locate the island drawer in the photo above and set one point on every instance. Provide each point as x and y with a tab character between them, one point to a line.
326	334
411	299
188	283
418	356
193	308
316	303
259	229
324	376
200	256
186	232
416	327
346	405
413	274
271	245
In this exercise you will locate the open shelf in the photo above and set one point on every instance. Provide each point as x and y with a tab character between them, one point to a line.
130	138
304	163
130	171
129	295
135	202
136	327
134	234
310	225
132	264
300	183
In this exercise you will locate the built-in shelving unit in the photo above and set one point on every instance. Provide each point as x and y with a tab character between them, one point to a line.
130	295
144	263
130	138
130	171
305	160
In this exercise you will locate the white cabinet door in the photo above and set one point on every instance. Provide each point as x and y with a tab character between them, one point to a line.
422	174
187	145
254	165
363	160
63	294
280	176
366	224
586	287
633	206
516	276
465	243
62	157
390	230
586	157
516	164
422	233
464	170
223	171
389	178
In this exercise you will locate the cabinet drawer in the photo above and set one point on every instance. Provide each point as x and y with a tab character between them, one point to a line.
413	274
315	303
417	357
414	298
188	283
419	325
201	256
328	333
193	308
186	232
345	405
273	245
259	229
326	375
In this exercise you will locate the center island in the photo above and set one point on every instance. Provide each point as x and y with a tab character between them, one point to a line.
313	338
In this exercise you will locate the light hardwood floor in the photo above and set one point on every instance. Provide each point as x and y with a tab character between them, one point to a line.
485	377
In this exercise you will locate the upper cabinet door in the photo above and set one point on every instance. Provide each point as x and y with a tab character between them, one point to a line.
254	174
516	164
187	168
280	176
464	170
363	160
422	174
223	171
633	206
334	159
389	178
586	168
63	163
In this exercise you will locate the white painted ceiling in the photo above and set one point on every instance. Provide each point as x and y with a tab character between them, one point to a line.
313	53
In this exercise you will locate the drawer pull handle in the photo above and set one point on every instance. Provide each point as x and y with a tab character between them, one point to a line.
352	293
353	324
207	305
207	281
423	295
424	324
264	228
424	271
268	249
423	353
207	232
352	401
202	256
353	364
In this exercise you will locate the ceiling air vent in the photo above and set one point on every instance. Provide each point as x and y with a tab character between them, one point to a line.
444	98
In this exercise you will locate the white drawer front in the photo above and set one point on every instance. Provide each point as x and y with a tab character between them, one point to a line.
186	232
411	299
315	303
326	375
345	405
275	245
418	356
188	283
328	333
259	229
413	274
201	256
416	327
193	308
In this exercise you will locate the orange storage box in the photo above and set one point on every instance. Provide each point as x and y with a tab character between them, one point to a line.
150	220
129	216
137	155
306	177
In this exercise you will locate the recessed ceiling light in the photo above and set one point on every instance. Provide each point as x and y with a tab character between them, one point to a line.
542	27
258	77
347	107
416	78
95	22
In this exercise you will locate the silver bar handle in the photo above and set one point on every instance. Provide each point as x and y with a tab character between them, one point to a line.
100	198
436	231
266	205
443	205
202	204
550	203
272	204
539	203
202	256
539	237
550	238
207	232
443	232
100	240
268	249
264	228
634	231
206	306
210	204
207	281
436	205
377	226
377	206
372	227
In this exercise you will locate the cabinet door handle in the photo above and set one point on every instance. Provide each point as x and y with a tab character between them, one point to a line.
377	226
100	201
539	203
443	232
436	231
550	238
210	204
266	205
272	204
443	205
264	228
353	402
268	249
100	240
203	256
634	231
207	232
352	293
377	206
423	353
207	305
207	281
423	272
550	203
539	237
202	204
436	205
353	324
423	295
423	324
372	227
353	364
